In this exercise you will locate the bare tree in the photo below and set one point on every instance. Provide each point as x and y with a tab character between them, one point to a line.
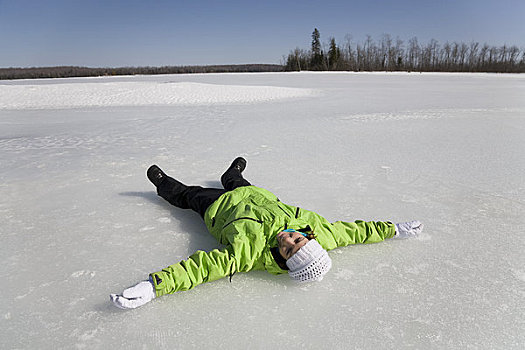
514	53
413	54
349	54
473	57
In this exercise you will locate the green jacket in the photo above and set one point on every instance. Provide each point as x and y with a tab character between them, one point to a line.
247	220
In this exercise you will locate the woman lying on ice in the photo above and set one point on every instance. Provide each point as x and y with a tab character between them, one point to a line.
260	233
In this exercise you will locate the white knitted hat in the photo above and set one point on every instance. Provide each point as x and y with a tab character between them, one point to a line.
310	263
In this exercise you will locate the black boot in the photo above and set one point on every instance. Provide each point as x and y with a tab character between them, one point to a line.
239	164
156	175
232	177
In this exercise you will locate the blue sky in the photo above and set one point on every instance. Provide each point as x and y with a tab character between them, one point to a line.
156	32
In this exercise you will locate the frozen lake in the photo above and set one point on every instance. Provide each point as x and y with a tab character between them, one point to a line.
80	220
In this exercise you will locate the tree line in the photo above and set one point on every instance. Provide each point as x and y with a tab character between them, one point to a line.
388	54
72	71
385	54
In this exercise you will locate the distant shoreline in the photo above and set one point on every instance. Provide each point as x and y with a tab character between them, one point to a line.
76	72
85	72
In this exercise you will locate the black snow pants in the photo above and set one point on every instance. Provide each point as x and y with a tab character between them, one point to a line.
198	198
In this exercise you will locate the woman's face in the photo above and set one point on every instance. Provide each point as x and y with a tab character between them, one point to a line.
290	243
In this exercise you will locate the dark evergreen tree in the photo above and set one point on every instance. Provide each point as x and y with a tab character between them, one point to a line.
316	62
334	55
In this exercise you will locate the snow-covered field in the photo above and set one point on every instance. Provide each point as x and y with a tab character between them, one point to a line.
80	220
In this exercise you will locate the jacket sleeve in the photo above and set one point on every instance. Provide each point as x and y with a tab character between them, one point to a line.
357	232
241	255
198	268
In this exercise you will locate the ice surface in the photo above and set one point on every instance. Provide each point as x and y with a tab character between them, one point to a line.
80	220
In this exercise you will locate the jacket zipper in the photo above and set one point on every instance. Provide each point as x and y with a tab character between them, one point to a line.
297	212
242	218
284	211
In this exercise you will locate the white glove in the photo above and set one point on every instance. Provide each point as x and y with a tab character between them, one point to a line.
135	296
408	229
